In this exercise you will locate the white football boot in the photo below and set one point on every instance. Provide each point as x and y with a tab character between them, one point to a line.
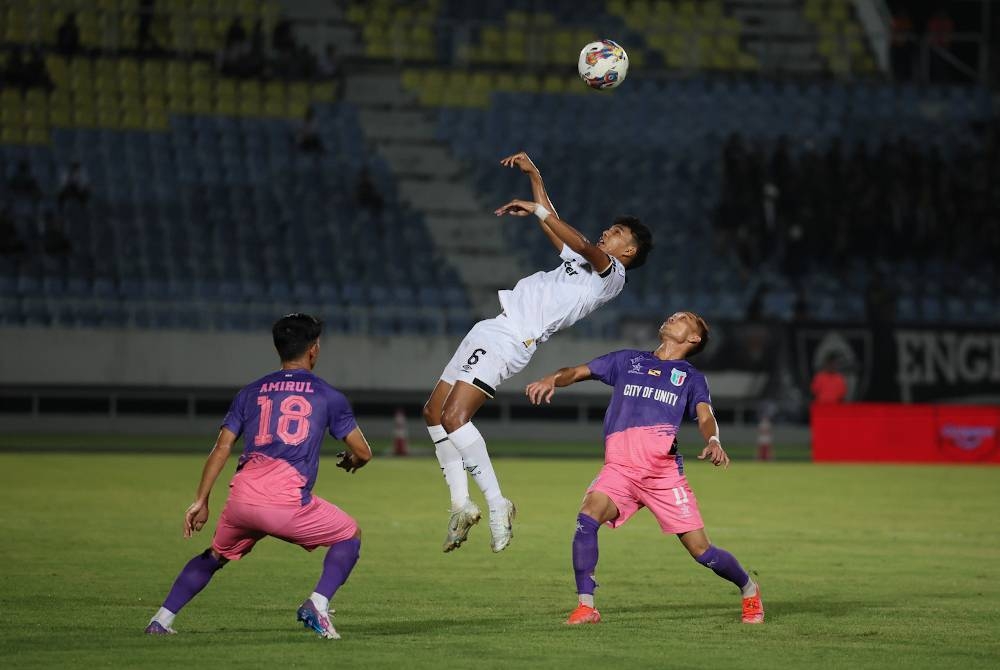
461	522
501	519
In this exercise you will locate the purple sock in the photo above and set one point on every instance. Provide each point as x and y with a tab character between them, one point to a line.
337	566
585	553
193	578
725	565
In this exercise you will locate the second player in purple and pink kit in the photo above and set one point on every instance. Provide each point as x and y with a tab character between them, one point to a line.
283	417
653	392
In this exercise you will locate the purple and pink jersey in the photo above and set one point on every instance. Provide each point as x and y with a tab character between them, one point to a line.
283	418
651	397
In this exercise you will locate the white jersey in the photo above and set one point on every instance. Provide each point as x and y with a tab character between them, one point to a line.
546	302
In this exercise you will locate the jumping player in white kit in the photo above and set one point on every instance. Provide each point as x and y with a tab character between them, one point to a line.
538	306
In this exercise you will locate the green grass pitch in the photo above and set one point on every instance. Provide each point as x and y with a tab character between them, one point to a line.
860	567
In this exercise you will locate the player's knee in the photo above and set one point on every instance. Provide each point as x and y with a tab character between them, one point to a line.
222	560
454	417
432	415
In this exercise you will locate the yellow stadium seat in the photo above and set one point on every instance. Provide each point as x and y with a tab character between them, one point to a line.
249	89
321	92
157	120
60	117
527	82
40	135
432	92
837	11
298	92
249	106
813	10
179	104
412	79
505	82
225	106
274	90
274	107
58	70
515	47
357	13
133	119
297	108
201	105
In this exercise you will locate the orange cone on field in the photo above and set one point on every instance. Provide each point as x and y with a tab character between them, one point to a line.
764	440
400	439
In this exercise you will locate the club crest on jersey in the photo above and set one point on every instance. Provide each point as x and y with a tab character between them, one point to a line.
636	364
655	373
677	377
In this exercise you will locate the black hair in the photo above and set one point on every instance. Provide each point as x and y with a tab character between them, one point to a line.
697	349
643	239
294	334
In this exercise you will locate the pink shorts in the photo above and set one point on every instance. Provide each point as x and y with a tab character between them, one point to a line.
670	500
317	524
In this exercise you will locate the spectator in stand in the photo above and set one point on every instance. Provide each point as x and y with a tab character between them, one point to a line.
330	69
22	183
74	185
236	35
902	45
68	36
25	73
11	243
828	385
367	193
144	34
307	138
54	239
939	31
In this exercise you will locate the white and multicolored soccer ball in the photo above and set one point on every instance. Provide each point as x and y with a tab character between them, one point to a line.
603	64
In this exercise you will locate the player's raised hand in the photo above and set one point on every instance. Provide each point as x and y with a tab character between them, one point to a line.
541	390
520	160
195	517
715	453
517	208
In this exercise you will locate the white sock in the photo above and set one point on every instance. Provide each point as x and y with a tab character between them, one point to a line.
472	447
587	599
320	601
749	589
451	466
165	617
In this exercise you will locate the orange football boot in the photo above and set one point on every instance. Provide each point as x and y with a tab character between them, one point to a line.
583	614
753	608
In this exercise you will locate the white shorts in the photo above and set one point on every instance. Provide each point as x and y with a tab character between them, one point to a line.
491	353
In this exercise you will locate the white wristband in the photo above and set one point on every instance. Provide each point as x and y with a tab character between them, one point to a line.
541	212
715	438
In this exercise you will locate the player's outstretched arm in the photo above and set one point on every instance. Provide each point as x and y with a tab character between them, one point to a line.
358	452
197	513
538	193
709	429
566	233
543	389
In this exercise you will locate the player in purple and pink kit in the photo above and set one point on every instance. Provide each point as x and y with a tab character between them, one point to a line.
653	392
282	417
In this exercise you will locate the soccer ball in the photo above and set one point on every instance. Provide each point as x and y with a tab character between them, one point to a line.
603	64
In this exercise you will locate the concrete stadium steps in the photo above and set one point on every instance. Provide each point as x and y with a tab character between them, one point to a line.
434	182
776	32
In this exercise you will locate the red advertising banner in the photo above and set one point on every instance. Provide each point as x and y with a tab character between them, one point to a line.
897	433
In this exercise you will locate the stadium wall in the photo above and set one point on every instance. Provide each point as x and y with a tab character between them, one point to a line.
180	382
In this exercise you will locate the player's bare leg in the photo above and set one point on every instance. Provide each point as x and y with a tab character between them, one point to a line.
456	416
596	510
464	513
726	566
